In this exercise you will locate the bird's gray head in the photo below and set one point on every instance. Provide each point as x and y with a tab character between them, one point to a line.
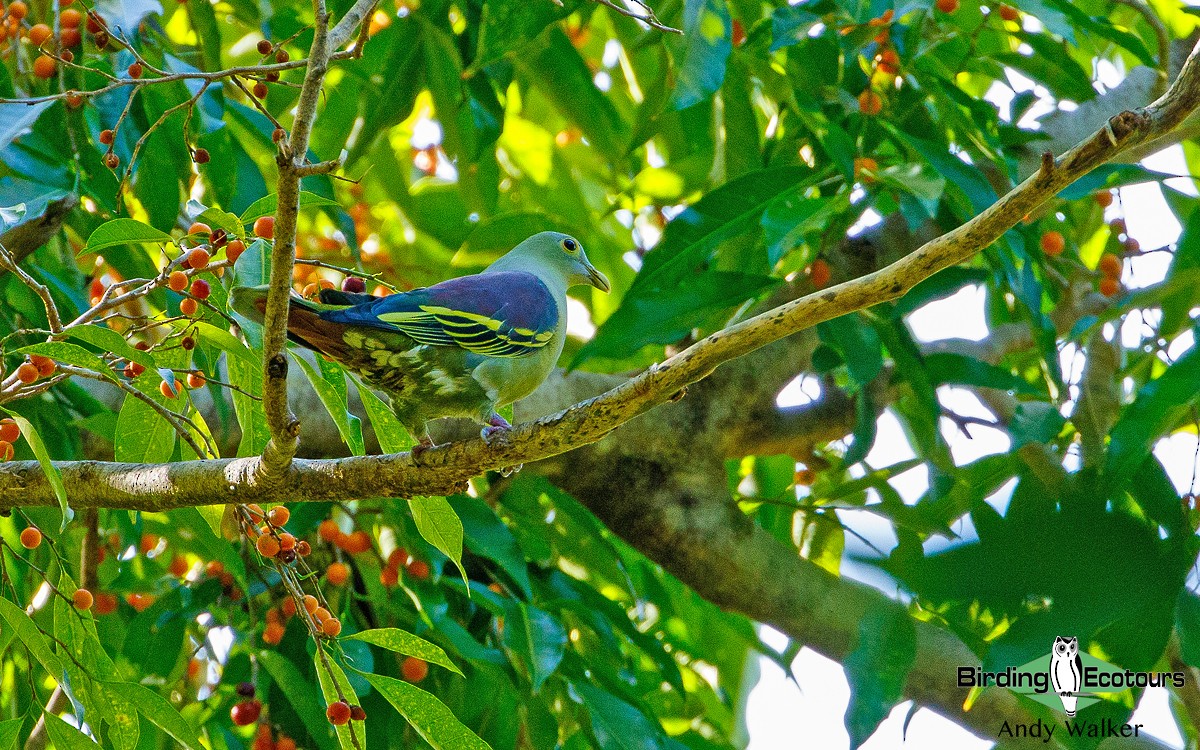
554	252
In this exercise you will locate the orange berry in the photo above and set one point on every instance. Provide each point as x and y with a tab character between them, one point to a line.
739	33
338	713
194	668
267	545
389	578
82	599
147	543
214	569
201	156
6	451
285	743
418	569
273	633
397	557
310	603
1053	243
331	627
106	604
819	273
234	250
112	161
337	573
74	101
179	566
9	431
869	103
1009	13
287	541
288	608
70	19
864	169
177	281
140	602
414	669
328	530
1110	265
198	258
889	61
45	366
188	306
39	33
135	70
278	516
805	477
18	10
27	373
196	380
320	614
31	538
255	511
947	6
44	66
106	137
1104	198
166	390
264	226
1109	286
357	542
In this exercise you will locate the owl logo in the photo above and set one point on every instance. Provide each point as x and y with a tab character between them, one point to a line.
1066	671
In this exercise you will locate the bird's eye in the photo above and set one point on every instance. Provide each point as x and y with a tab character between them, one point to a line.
570	245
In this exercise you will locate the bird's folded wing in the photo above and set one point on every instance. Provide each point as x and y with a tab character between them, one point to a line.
503	314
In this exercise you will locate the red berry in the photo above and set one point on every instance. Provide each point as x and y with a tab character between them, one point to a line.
338	713
1109	286
357	713
201	289
1009	13
264	47
1110	266
260	90
112	161
31	538
947	6
354	284
246	713
819	273
1104	198
418	569
135	70
282	56
869	103
200	156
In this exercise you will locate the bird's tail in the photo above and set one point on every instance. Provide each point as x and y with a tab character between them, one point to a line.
305	325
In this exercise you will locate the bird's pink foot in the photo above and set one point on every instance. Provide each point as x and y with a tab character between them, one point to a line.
496	424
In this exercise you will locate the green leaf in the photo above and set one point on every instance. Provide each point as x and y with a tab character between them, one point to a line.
216	218
302	695
536	637
959	369
143	435
508	26
207	541
653	316
43	457
159	711
72	354
403	642
436	724
616	724
877	668
108	340
31	638
392	436
1158	407
333	679
708	40
10	734
487	536
1187	624
249	411
64	736
439	525
122	232
267	205
330	385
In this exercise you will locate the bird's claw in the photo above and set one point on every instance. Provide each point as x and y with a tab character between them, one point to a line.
496	424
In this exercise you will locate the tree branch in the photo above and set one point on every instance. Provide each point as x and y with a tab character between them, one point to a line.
444	469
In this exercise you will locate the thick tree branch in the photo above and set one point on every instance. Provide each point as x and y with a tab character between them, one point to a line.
444	469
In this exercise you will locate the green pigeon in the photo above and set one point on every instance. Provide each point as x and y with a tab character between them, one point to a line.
461	348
